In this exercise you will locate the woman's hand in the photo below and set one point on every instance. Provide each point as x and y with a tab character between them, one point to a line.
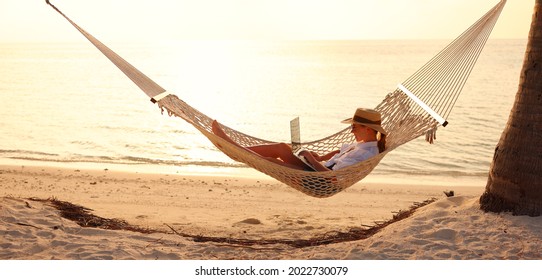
306	154
314	160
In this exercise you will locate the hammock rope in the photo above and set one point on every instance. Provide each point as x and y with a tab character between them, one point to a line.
418	105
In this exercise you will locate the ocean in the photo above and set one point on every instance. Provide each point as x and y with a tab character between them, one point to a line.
66	105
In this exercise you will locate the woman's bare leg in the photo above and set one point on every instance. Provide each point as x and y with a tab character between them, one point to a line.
280	153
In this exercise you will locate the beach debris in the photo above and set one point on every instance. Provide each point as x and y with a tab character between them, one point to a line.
82	216
26	225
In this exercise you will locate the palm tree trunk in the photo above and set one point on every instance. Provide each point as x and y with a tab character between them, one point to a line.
515	176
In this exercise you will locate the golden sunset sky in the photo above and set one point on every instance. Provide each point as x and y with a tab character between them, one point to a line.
145	20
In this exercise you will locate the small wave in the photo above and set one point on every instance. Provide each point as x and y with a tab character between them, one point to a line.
443	173
128	160
26	152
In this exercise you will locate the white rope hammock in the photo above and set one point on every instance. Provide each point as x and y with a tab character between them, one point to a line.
419	105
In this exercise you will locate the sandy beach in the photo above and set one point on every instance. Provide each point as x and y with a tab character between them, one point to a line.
247	209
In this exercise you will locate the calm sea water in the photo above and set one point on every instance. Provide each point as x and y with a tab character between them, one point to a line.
67	105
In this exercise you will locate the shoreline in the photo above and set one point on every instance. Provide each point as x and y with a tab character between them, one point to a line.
244	172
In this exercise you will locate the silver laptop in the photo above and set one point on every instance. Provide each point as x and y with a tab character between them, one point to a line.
295	136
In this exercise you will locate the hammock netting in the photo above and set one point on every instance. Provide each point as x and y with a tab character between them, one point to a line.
418	106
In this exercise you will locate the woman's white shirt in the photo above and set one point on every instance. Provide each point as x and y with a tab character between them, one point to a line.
353	153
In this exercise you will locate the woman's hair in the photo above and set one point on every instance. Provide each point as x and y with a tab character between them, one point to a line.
382	143
381	140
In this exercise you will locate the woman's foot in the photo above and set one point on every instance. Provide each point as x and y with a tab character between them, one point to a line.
218	131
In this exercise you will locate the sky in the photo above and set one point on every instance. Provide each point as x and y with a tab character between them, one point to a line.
163	20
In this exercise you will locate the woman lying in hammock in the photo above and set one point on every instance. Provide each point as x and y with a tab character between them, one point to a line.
370	140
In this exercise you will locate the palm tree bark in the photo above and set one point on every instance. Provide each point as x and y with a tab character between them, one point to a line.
515	176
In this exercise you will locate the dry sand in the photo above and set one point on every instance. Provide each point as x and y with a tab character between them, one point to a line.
247	208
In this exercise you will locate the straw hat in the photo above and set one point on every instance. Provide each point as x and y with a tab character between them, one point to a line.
367	117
